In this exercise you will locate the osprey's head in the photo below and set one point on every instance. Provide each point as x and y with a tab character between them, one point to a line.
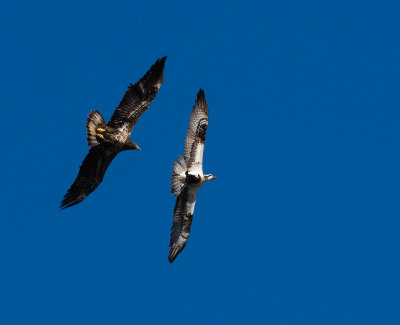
209	177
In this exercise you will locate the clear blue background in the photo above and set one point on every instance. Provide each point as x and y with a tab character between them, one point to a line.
300	227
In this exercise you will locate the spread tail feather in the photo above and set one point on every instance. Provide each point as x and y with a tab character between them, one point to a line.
94	121
177	178
180	167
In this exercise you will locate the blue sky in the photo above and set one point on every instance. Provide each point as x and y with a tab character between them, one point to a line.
301	225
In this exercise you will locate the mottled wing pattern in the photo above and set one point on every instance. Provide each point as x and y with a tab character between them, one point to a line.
196	134
90	174
138	98
183	216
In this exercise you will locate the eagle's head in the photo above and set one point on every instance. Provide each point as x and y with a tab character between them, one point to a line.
135	146
130	145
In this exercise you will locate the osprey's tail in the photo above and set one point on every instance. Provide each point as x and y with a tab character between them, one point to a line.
94	122
178	178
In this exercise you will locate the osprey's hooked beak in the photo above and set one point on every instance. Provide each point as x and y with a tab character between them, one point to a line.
210	177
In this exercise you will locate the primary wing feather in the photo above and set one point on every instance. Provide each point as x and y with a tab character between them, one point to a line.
90	174
138	98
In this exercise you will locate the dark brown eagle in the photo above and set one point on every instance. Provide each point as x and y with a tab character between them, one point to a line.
107	140
187	176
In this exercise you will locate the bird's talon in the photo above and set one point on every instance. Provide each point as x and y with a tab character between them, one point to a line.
100	130
100	136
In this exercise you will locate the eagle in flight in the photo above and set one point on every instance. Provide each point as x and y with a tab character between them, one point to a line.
107	140
187	176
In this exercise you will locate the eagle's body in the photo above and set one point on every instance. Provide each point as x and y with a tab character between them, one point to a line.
107	140
118	138
188	176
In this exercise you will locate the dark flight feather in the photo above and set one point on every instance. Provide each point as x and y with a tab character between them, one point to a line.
138	98
90	174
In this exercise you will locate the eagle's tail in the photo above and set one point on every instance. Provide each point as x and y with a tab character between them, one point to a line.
177	181
94	122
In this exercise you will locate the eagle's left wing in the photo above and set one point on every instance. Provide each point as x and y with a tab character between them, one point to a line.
138	98
183	216
90	174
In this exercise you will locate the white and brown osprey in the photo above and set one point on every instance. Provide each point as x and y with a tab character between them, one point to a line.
107	140
187	176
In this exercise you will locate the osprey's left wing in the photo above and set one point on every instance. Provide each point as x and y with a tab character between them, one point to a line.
183	216
196	135
138	98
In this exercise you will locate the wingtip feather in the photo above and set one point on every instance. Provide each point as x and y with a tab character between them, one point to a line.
173	253
71	200
201	100
154	76
163	59
158	66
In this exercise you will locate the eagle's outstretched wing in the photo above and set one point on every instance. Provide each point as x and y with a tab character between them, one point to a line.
138	98
183	216
196	135
90	174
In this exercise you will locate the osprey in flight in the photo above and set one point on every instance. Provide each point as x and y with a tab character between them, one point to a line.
107	140
187	176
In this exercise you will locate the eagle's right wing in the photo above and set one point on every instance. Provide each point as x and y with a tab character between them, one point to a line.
138	98
90	174
183	216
